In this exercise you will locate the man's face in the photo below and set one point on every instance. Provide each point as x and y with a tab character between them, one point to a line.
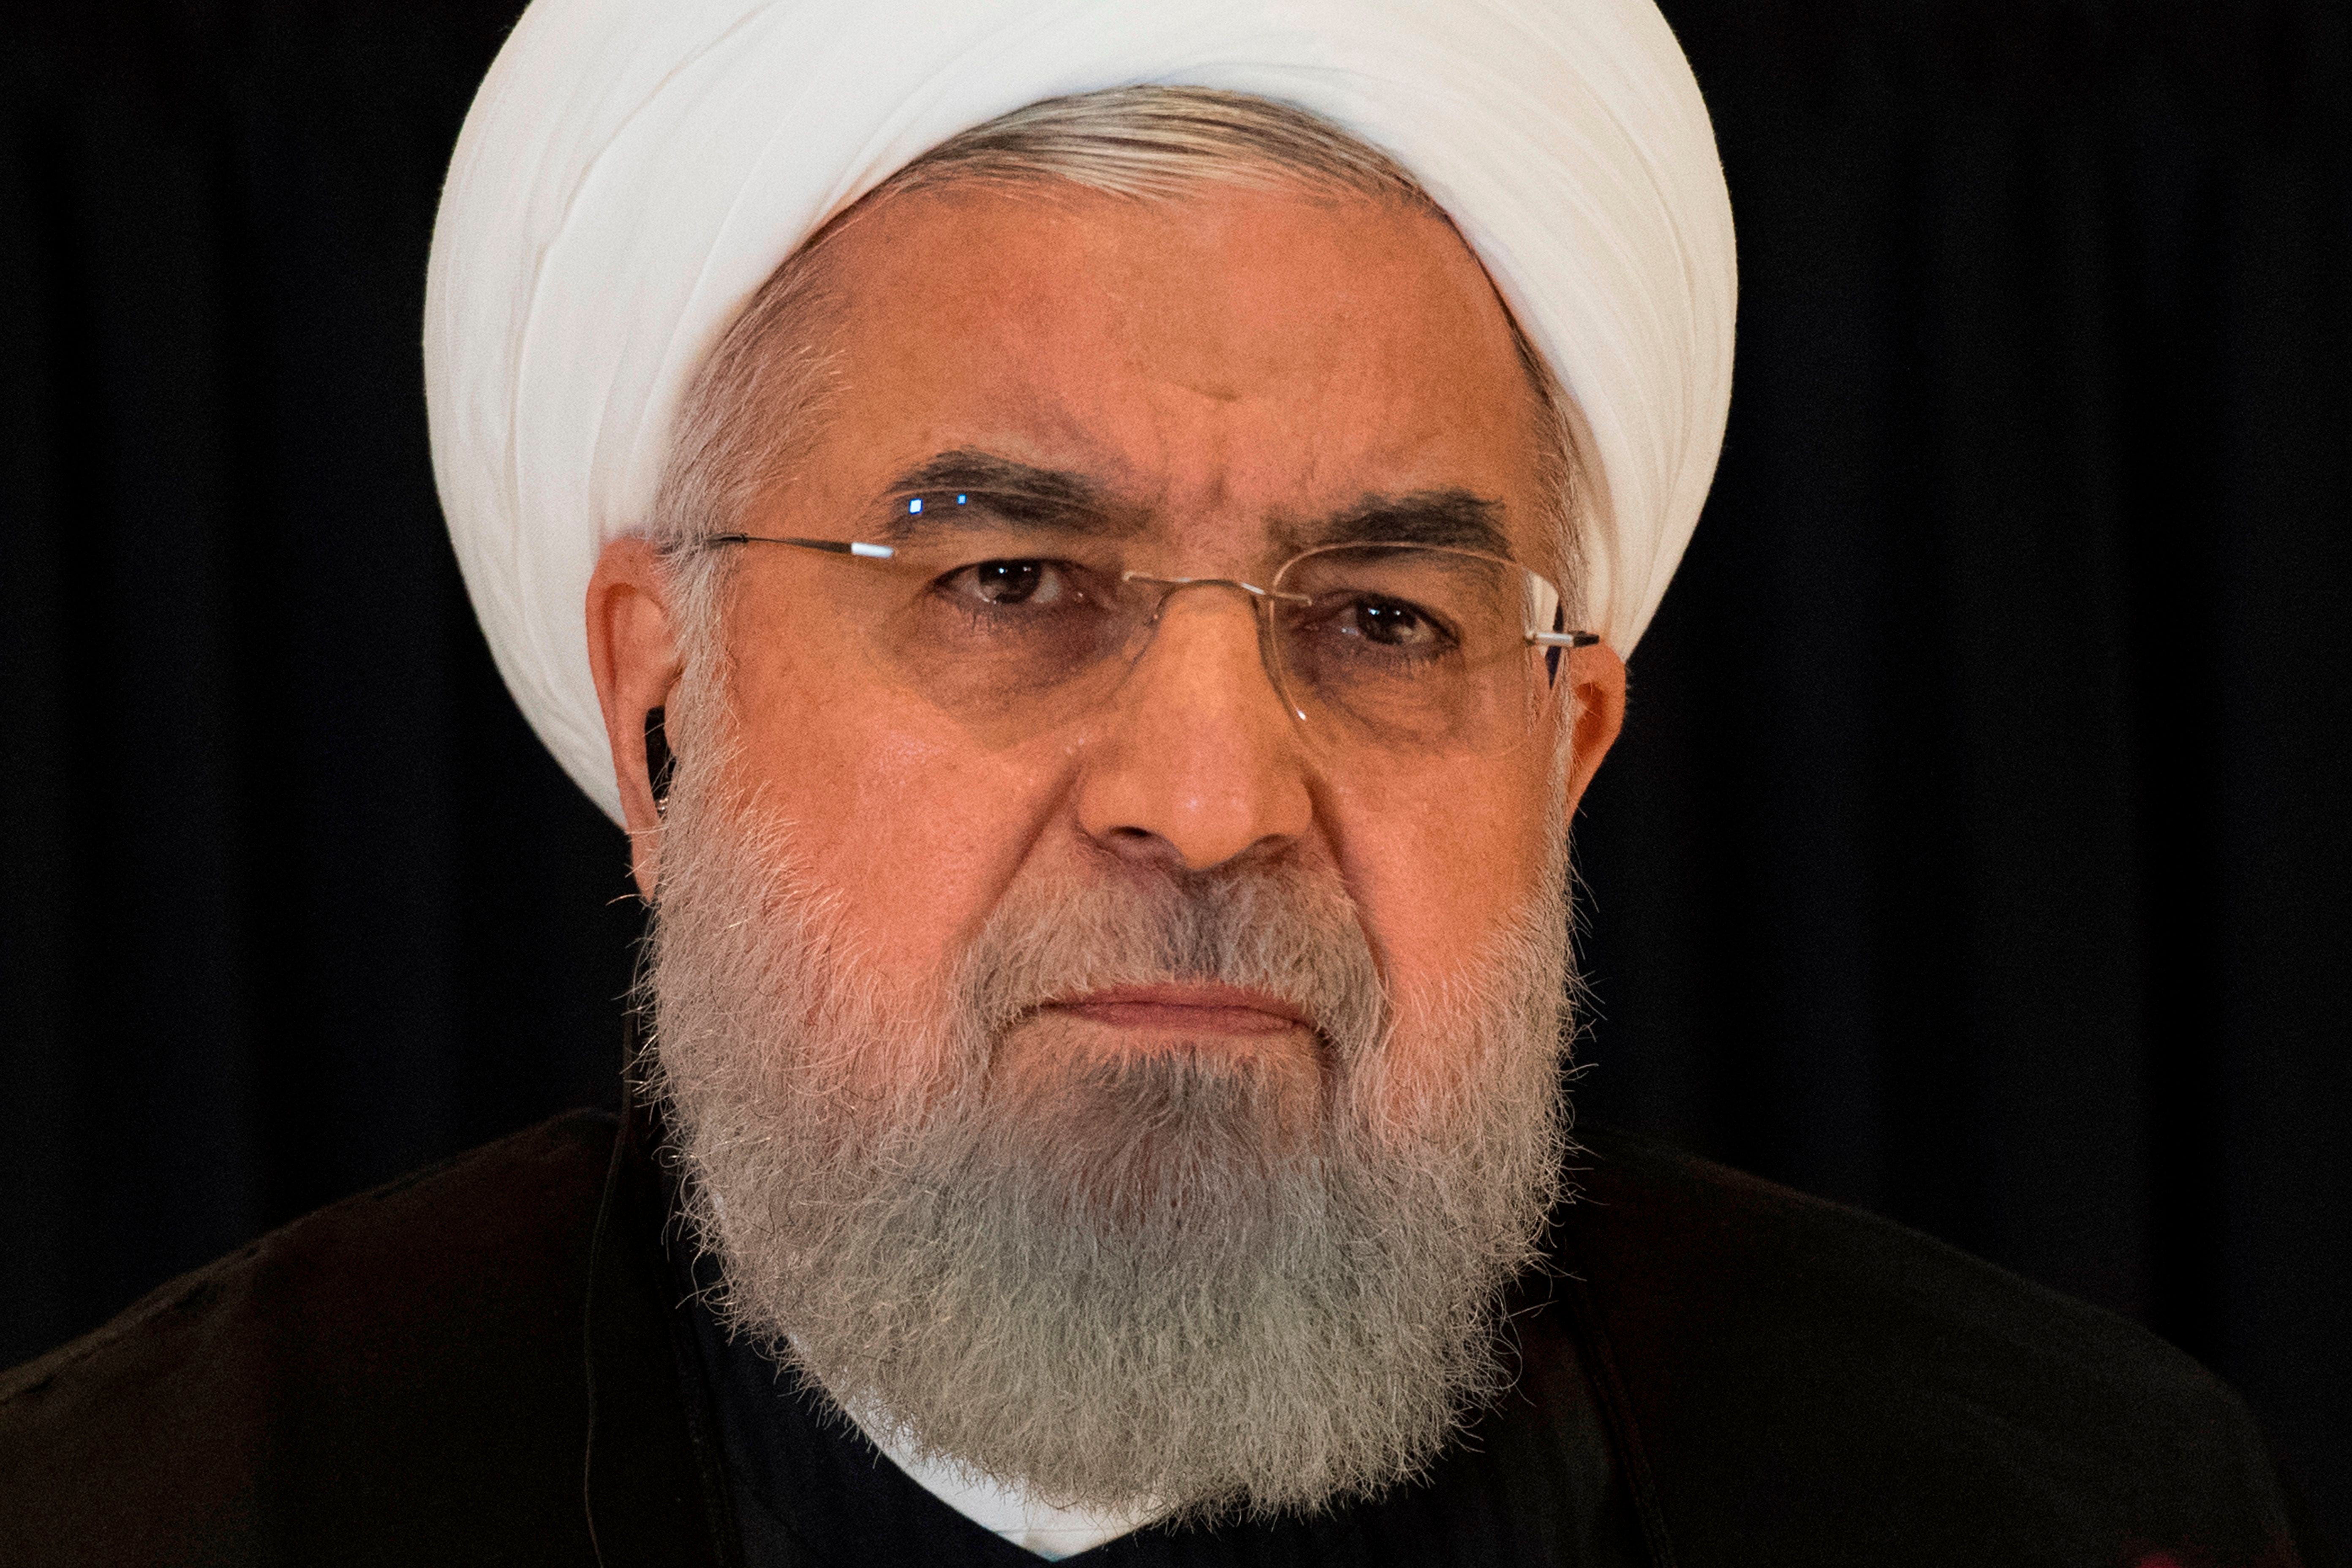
1093	1068
1212	381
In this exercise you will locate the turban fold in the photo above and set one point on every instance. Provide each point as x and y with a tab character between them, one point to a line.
632	170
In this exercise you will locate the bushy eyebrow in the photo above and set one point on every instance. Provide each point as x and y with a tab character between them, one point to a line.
1451	519
964	487
968	488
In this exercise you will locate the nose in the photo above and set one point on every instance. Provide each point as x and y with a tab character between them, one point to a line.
1196	761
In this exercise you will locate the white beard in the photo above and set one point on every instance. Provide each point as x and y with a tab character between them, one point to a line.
1151	1283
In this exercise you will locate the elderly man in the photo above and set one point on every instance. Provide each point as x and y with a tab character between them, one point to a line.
1106	540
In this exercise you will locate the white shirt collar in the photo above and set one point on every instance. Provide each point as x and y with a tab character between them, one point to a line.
1010	1512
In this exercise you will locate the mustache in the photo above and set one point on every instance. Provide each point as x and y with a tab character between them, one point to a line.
1276	925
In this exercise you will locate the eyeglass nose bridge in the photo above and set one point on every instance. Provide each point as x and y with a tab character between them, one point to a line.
1262	601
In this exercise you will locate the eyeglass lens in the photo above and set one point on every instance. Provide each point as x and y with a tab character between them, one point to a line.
1405	647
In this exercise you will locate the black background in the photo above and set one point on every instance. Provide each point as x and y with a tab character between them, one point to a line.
1976	851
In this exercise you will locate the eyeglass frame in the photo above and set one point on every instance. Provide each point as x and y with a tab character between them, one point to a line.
1261	599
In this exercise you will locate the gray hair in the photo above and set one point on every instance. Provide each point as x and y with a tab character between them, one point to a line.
737	430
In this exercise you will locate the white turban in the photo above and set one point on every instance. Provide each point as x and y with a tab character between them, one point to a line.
633	170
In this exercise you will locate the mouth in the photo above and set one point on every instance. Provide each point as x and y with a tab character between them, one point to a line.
1188	1008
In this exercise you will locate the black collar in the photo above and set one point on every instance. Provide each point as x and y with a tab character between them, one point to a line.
652	1477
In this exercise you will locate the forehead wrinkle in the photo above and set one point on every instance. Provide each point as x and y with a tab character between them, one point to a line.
1155	452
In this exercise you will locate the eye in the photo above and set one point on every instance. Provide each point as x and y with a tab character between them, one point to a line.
1005	585
1391	623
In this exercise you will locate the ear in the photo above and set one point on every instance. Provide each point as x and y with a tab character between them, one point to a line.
1596	679
633	651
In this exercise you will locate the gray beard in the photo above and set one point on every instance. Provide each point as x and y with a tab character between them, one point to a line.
1149	1284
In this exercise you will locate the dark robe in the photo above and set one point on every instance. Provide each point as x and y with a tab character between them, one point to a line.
496	1361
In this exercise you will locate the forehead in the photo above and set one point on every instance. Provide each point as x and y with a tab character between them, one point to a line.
1237	359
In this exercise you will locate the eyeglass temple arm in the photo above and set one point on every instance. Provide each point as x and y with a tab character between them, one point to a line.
1562	639
857	547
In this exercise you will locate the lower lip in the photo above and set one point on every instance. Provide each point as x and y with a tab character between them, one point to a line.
1181	1019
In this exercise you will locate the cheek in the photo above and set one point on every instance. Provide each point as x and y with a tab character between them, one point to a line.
1439	882
913	830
